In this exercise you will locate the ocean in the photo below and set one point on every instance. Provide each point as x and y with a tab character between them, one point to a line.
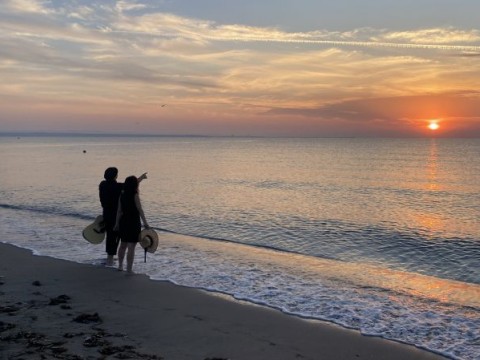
377	235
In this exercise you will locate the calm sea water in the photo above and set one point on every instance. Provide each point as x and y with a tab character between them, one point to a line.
379	235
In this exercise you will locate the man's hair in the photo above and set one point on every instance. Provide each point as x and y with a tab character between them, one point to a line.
111	173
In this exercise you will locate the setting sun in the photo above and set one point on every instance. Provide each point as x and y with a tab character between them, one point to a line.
433	126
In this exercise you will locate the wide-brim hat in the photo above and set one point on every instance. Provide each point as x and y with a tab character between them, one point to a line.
95	232
148	239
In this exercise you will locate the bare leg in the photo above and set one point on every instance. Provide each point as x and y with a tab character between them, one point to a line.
121	254
130	256
109	260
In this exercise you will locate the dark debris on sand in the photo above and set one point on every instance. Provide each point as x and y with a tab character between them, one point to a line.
9	309
61	299
88	318
96	342
126	352
106	348
32	342
5	326
71	335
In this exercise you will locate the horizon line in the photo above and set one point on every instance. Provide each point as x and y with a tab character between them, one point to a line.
92	134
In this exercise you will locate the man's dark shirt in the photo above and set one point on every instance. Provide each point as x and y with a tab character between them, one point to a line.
109	191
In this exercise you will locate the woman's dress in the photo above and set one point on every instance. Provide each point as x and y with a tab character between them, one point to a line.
129	225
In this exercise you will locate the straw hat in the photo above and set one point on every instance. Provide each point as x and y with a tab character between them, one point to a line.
95	232
148	239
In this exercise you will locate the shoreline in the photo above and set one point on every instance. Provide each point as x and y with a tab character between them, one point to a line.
145	318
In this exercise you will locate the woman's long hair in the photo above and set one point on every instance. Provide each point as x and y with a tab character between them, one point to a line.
130	187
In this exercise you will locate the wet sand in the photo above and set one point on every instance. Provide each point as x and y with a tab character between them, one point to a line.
54	309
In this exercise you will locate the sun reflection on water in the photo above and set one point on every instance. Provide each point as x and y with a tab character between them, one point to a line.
432	167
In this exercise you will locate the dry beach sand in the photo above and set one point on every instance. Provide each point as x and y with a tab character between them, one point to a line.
54	309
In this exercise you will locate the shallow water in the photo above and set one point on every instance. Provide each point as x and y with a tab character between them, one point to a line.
379	235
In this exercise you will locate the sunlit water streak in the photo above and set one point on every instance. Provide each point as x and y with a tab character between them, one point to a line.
375	235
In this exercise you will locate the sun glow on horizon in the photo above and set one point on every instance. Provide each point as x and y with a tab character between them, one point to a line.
433	125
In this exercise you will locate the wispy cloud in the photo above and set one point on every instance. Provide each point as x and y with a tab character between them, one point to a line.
445	106
171	26
437	36
28	6
124	5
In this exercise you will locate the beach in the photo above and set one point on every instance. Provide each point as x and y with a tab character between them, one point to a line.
56	309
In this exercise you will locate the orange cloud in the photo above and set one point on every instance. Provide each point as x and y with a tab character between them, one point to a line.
401	112
463	105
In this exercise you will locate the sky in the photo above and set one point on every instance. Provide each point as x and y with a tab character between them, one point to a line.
370	68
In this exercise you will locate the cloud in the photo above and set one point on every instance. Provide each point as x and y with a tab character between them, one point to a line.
125	6
436	36
125	18
468	54
319	38
172	26
444	106
29	6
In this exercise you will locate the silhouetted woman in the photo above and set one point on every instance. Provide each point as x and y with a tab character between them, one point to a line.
128	223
